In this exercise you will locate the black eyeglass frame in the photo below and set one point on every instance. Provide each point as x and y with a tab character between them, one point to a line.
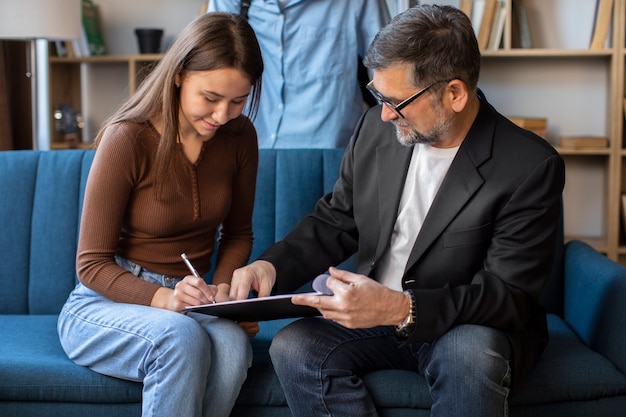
396	108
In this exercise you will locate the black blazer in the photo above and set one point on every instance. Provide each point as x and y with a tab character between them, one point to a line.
485	249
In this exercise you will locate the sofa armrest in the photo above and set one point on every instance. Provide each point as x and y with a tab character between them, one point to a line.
595	300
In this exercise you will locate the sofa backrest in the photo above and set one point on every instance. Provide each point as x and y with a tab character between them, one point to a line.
39	213
289	183
41	196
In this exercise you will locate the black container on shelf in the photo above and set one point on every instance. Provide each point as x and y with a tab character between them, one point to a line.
149	40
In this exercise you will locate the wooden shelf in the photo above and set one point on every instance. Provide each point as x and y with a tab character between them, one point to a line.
583	151
94	86
106	59
60	146
547	53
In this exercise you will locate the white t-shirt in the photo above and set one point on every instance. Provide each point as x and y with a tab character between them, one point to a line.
427	169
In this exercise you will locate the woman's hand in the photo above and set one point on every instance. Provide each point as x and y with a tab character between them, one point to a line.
191	291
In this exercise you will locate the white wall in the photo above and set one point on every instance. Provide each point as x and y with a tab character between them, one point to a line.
121	17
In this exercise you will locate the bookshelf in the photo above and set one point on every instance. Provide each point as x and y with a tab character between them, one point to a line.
95	86
581	91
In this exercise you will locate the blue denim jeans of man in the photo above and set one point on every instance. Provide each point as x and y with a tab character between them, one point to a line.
319	364
191	365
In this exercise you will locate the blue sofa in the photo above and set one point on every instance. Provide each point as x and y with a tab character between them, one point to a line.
582	372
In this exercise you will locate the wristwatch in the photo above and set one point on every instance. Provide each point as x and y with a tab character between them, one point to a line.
404	330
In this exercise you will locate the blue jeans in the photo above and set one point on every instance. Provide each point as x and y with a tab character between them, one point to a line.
191	365
319	364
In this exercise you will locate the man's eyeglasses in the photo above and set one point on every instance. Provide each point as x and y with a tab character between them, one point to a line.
396	108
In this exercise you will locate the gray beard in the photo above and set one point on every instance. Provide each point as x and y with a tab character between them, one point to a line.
413	137
433	137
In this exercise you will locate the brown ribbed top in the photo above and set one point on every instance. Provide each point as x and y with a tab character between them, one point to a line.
122	214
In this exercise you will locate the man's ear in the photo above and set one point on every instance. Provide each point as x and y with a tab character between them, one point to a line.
458	95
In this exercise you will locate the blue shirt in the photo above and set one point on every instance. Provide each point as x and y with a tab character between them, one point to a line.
310	97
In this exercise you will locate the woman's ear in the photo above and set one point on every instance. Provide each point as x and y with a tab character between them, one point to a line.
458	94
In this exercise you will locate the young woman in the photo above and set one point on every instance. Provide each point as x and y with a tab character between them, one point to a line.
174	166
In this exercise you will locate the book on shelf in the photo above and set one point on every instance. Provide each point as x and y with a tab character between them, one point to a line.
77	47
602	25
537	125
497	30
476	13
59	49
530	122
624	212
486	22
82	45
69	49
585	141
520	29
466	7
92	39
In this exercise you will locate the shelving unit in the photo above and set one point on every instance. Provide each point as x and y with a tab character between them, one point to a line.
580	91
95	87
619	148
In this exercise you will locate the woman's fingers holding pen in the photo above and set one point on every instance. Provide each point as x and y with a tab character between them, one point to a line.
195	291
188	292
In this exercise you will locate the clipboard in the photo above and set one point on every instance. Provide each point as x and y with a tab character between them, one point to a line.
265	308
257	309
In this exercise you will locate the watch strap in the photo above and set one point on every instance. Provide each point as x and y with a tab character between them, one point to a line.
405	328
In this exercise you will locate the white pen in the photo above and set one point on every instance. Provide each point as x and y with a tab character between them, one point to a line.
192	269
189	265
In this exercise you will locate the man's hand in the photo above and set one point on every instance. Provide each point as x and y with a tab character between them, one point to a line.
251	328
357	301
259	276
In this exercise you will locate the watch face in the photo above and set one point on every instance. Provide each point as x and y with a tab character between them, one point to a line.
404	332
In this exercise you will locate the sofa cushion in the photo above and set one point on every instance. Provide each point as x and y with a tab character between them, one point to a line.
34	367
594	280
568	370
588	376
